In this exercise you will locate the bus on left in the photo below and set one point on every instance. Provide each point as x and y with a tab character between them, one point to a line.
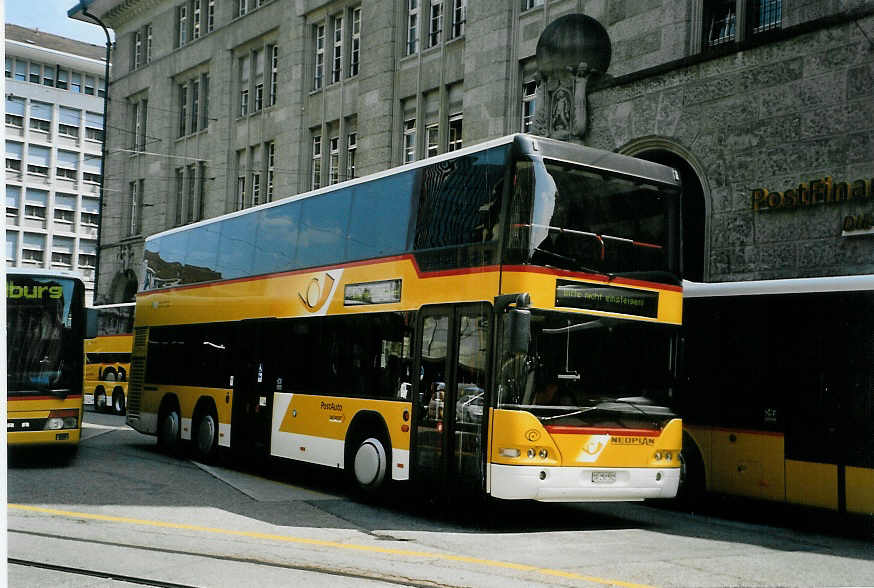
45	330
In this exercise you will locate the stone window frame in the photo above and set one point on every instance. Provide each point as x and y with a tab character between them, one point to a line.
408	154
135	207
316	162
319	32
351	148
270	158
337	47
435	23
411	46
702	12
459	18
257	64
141	47
455	131
354	41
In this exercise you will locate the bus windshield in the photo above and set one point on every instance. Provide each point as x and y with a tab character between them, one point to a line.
585	370
41	356
581	219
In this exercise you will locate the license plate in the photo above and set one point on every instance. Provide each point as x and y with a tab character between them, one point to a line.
603	477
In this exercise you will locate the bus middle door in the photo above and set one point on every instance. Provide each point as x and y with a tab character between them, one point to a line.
253	395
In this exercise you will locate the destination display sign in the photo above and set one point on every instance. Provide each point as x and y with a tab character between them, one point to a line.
606	298
384	292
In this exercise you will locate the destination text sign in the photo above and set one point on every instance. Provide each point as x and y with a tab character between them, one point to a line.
606	298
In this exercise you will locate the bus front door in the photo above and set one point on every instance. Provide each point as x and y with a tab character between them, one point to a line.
450	402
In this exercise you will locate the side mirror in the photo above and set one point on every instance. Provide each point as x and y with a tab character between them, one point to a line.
520	330
90	323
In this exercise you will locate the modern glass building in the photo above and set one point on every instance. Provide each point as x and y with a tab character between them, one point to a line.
54	132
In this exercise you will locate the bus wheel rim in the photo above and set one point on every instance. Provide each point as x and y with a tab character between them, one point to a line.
370	463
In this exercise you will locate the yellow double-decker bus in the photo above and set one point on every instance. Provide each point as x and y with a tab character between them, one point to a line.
45	327
777	391
503	318
107	357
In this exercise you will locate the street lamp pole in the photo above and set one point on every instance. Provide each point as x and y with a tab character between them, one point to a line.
104	153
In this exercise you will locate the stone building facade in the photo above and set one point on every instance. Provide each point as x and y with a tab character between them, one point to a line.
764	106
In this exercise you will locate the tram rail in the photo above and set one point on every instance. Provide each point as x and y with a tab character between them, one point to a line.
80	571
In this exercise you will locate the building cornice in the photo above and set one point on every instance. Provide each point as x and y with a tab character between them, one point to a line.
114	13
31	51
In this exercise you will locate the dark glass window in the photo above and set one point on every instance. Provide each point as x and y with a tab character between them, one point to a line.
372	219
203	252
379	221
577	218
276	241
366	355
323	222
460	200
116	320
42	322
362	355
236	247
798	364
203	350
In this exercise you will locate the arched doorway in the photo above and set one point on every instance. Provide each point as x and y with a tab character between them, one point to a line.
695	243
124	287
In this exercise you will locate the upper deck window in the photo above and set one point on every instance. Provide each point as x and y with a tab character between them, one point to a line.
579	219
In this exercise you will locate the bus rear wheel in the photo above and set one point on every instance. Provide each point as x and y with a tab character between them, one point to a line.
206	436
118	402
169	429
370	465
99	400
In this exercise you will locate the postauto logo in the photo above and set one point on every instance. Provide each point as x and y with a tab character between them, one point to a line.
15	292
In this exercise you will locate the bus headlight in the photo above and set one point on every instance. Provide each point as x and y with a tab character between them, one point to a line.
544	454
531	453
62	419
53	424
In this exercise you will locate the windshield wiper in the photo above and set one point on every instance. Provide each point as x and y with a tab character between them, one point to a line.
649	417
576	264
570	414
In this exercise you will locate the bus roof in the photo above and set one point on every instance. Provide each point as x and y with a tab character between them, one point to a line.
528	144
48	273
114	305
782	286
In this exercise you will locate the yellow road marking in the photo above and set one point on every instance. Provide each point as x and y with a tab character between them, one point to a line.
331	544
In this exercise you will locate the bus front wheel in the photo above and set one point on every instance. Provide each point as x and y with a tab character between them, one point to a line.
370	464
692	476
168	429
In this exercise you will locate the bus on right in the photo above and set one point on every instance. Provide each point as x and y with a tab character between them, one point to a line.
777	391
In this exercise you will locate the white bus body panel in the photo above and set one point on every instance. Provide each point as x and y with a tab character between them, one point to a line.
573	484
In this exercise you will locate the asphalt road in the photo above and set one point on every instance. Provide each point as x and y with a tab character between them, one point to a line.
122	514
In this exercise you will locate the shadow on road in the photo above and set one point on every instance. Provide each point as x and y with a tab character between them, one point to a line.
118	466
